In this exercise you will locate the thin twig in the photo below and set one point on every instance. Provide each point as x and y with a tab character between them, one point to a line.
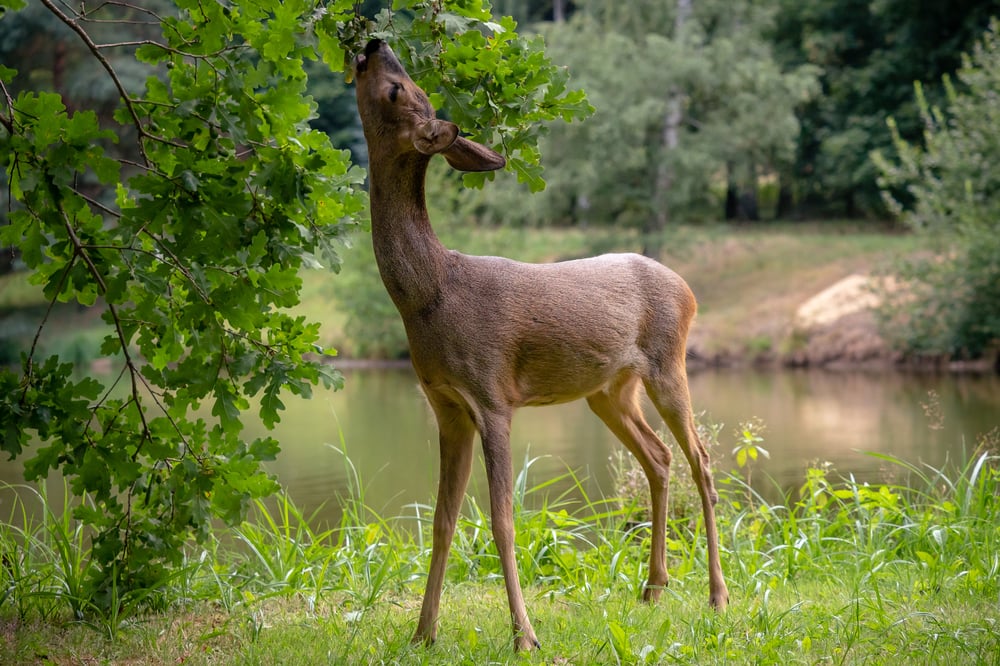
8	122
41	326
123	93
140	42
85	14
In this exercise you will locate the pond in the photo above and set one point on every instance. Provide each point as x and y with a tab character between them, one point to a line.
381	420
383	424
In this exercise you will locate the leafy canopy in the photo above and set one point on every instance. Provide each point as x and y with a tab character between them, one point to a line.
186	218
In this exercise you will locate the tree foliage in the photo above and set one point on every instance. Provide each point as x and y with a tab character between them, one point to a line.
738	113
869	55
184	208
864	55
950	301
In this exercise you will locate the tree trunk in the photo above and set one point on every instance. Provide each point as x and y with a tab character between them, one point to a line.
8	255
741	194
850	209
558	11
783	210
670	139
749	208
732	193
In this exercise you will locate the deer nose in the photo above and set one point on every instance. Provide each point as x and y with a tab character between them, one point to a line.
361	60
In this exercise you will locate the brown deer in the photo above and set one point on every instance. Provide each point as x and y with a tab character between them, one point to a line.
488	335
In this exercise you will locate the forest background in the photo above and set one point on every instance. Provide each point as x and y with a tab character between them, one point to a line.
747	111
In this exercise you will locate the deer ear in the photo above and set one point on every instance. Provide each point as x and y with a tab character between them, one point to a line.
435	136
466	155
441	136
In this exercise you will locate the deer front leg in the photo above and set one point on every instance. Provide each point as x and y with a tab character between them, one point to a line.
456	433
499	474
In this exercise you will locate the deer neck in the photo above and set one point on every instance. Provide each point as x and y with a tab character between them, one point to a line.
410	257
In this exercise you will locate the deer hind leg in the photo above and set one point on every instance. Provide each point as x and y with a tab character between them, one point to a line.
673	401
456	434
618	406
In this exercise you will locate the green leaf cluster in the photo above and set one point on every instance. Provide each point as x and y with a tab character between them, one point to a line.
185	216
497	85
222	195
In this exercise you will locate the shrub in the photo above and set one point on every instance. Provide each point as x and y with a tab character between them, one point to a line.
946	191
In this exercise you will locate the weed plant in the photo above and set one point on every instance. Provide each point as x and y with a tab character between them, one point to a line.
837	572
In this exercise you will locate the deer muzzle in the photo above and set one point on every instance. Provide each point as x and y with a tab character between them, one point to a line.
361	60
377	53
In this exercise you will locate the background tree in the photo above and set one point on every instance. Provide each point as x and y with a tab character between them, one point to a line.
949	301
869	53
183	205
865	55
737	113
533	11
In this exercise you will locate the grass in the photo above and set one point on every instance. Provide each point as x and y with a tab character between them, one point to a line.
838	572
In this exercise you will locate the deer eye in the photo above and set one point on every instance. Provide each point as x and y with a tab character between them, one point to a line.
394	92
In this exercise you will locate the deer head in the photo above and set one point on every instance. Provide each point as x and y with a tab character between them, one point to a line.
398	119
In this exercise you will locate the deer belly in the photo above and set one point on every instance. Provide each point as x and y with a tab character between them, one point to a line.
551	375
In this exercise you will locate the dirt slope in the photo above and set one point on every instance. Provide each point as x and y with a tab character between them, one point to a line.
798	295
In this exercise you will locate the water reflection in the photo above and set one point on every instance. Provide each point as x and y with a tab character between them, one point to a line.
381	420
839	417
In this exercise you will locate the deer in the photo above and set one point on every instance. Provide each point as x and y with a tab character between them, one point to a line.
488	335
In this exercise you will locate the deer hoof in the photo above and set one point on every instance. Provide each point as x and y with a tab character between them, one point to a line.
420	638
526	643
651	593
719	600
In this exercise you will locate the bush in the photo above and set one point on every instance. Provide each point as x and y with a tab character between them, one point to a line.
946	191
